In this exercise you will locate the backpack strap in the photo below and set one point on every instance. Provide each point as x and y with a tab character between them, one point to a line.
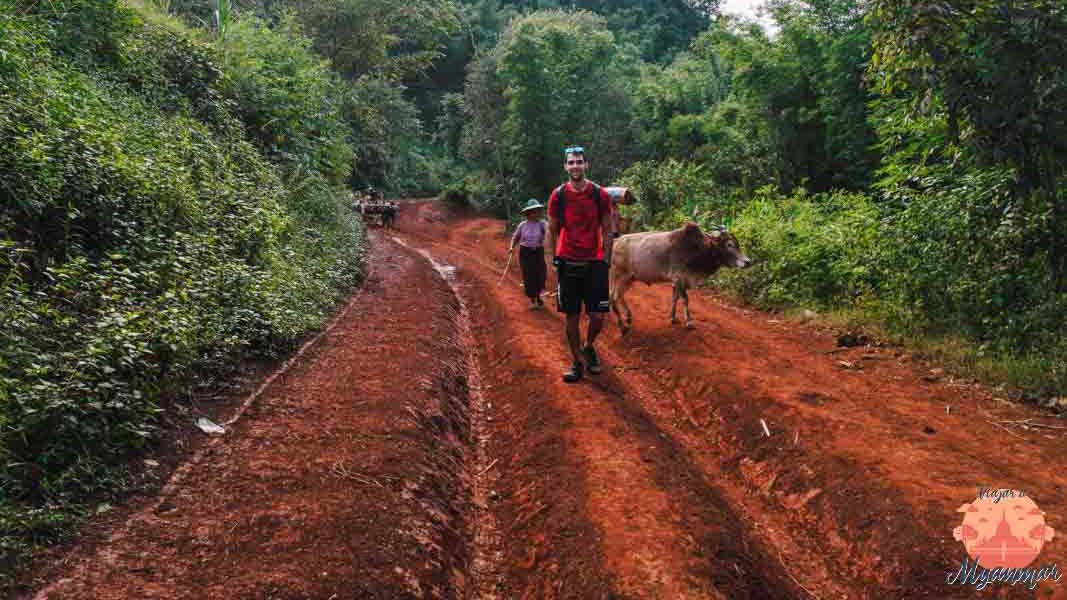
560	204
596	199
560	201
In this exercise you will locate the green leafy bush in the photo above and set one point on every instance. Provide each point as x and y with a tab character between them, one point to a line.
672	192
968	259
144	240
809	250
287	97
456	195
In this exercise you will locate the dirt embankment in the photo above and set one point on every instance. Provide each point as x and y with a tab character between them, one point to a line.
345	479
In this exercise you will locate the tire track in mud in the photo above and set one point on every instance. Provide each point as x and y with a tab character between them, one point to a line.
886	484
772	499
663	531
483	579
532	462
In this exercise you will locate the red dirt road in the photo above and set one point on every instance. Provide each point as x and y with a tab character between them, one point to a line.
427	448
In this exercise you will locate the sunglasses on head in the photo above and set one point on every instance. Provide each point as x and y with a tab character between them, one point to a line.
574	150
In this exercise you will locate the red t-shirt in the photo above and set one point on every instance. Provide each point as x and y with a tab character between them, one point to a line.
580	237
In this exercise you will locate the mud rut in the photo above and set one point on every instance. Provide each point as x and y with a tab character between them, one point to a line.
426	447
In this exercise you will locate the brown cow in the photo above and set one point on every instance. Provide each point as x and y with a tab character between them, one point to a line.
684	257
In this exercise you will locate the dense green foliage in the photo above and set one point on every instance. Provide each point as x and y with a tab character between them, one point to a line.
790	112
904	164
144	240
991	77
373	47
656	29
554	78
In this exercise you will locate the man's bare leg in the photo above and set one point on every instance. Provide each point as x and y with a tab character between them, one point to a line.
574	340
574	336
592	360
596	323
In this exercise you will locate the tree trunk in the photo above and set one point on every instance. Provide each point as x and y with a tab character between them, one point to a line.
1057	252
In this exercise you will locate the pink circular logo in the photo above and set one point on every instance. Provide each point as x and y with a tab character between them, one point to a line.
1003	528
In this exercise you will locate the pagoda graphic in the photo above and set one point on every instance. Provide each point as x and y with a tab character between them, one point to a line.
1004	549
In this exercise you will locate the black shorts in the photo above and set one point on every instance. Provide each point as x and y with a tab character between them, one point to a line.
582	282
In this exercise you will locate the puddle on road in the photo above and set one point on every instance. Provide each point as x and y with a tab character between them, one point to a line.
446	271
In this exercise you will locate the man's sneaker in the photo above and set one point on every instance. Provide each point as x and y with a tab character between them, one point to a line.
592	360
574	374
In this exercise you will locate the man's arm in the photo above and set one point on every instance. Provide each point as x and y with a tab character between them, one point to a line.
553	226
553	235
515	238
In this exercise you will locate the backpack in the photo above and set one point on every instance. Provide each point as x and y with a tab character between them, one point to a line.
561	203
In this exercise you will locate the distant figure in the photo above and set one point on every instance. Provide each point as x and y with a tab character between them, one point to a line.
389	214
530	237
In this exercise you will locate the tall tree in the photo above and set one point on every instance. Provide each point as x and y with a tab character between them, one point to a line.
555	78
380	37
995	71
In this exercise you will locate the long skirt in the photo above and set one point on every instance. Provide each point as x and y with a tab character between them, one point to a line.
534	272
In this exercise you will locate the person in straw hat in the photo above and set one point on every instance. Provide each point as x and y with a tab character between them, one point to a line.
530	237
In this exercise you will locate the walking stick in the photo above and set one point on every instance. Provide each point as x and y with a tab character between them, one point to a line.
504	274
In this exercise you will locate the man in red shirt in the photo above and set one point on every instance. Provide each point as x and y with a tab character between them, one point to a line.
579	220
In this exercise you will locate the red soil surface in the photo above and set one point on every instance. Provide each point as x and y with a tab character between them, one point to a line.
427	448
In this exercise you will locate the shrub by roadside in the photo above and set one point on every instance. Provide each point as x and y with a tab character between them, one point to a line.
144	239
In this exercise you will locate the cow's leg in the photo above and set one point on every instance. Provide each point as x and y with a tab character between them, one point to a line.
613	296
618	291
675	294
684	291
626	305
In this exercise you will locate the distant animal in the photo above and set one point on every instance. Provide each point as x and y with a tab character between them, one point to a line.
684	257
